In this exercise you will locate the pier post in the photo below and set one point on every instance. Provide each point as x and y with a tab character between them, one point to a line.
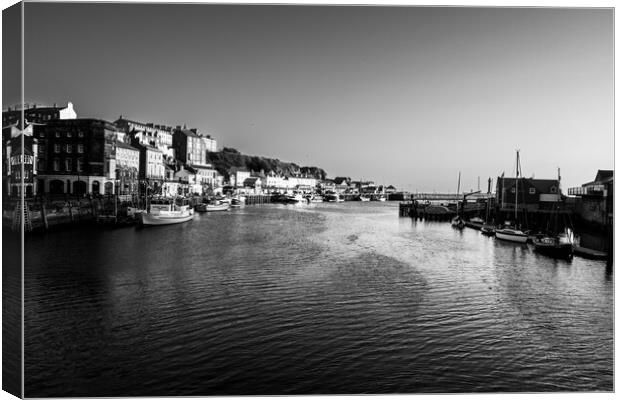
44	214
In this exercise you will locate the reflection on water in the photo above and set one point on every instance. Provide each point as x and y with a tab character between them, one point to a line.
318	298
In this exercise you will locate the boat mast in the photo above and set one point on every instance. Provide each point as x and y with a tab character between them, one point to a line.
517	188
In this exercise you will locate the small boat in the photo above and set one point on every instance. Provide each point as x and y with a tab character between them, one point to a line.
475	223
488	230
293	198
217	206
558	246
315	198
134	212
364	198
235	202
511	235
166	212
333	197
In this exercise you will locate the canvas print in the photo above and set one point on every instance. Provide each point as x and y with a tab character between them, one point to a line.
254	199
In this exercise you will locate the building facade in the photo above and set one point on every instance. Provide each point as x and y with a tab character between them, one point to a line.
37	114
127	168
159	136
596	199
76	156
528	193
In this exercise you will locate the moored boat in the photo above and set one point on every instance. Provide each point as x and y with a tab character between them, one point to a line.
558	246
363	197
511	235
217	206
293	198
166	212
315	198
487	229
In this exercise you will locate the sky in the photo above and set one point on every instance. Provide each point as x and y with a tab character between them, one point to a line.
409	96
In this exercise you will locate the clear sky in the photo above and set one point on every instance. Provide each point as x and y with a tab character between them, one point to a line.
407	96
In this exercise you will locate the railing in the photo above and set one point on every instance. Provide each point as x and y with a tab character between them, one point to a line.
592	190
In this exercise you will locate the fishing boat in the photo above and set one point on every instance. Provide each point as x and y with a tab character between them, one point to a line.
509	233
363	197
333	197
315	198
295	197
166	212
557	246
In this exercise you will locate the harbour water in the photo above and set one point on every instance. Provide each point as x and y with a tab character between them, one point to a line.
309	299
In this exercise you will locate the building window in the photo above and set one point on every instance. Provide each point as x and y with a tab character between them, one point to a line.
68	164
41	164
80	134
513	190
80	165
69	149
532	191
56	164
42	134
69	134
56	148
80	148
41	149
57	133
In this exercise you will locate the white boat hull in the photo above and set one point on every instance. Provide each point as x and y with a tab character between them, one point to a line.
219	207
511	235
151	219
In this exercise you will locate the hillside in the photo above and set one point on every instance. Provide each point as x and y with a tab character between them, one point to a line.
229	158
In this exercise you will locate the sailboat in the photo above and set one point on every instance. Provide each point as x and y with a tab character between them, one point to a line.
509	233
457	222
557	245
487	228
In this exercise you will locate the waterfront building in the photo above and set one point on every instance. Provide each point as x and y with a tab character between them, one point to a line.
595	199
16	156
76	156
238	177
328	185
170	186
296	181
151	171
273	182
253	184
189	147
37	114
534	194
158	136
127	168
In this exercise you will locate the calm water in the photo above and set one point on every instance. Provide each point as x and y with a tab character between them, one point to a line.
321	298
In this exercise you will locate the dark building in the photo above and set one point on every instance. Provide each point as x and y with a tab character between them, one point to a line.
533	194
16	156
595	200
76	156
